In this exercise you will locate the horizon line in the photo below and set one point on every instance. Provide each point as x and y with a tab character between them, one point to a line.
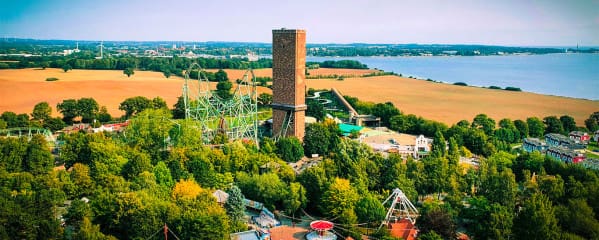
4	39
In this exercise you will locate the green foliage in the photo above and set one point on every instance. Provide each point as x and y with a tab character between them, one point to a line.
315	109
460	84
437	220
38	159
178	110
66	67
592	123
338	198
568	123
296	199
51	79
223	89
290	149
537	219
553	125
370	209
135	105
128	71
221	75
321	138
351	64
515	89
535	127
481	121
234	205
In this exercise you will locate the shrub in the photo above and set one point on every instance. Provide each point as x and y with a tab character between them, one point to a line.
515	89
460	84
51	79
494	87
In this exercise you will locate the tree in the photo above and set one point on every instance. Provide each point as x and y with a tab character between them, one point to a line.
38	159
290	149
385	111
321	138
296	198
178	110
69	110
592	123
439	147
535	127
235	205
167	73
553	125
221	75
370	209
316	110
87	109
186	189
485	123
522	127
41	111
134	105
103	115
437	220
537	219
339	197
128	72
578	217
223	89
568	123
66	67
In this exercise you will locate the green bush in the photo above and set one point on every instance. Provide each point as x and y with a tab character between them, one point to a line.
515	89
494	87
460	84
51	79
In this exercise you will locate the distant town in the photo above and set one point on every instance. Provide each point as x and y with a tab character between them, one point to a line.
15	47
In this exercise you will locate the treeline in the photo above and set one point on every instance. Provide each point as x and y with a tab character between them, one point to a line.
348	50
175	65
351	64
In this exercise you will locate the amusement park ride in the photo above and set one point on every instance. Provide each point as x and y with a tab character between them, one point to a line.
236	117
400	219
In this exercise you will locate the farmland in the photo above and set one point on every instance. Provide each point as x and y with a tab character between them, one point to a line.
21	89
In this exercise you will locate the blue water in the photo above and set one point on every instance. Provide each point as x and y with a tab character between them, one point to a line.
570	75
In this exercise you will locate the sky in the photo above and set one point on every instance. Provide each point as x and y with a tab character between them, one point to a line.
491	22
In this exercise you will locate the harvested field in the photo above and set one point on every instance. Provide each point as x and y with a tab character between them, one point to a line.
21	89
449	103
235	74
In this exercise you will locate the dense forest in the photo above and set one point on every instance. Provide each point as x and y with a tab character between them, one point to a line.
128	185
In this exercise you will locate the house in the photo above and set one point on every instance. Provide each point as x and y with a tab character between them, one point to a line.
554	140
534	144
565	154
580	137
386	142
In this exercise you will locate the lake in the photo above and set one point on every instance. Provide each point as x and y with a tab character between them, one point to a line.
570	75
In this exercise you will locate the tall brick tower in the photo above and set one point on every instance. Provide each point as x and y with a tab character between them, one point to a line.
289	82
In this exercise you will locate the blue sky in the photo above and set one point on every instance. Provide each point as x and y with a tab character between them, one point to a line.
505	22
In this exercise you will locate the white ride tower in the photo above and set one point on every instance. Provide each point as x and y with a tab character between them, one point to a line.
401	208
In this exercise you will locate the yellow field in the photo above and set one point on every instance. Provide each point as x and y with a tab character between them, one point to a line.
21	89
449	103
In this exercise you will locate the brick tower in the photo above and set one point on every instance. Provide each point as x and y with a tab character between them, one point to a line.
289	82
